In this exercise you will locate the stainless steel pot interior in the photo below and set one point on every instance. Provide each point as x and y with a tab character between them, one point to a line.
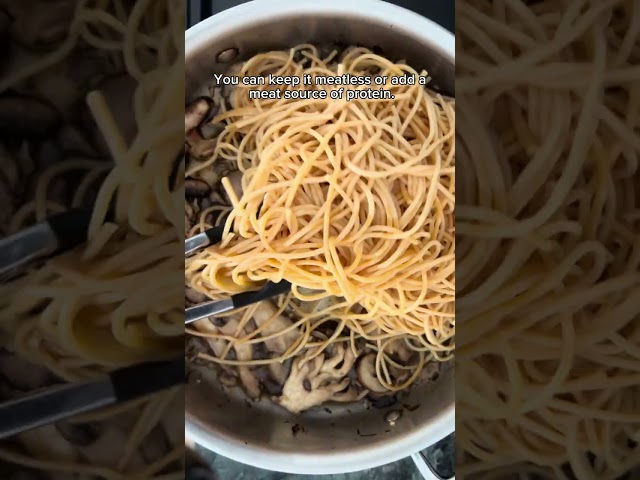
257	433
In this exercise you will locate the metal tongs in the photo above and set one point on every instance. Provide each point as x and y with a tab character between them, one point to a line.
54	236
216	307
59	402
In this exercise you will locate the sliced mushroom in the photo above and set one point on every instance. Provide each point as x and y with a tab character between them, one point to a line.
367	374
207	128
196	112
296	398
400	351
350	395
227	90
210	130
194	296
280	371
206	326
189	222
209	175
195	188
327	379
430	372
271	386
26	116
243	353
200	148
264	315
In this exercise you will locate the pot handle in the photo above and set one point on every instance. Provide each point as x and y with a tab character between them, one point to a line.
437	462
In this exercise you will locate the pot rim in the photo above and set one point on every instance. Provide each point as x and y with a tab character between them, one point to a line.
354	459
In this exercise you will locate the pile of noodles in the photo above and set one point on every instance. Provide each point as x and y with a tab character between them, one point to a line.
352	200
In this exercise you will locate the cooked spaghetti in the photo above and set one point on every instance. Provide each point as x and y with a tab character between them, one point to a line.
116	300
350	201
549	362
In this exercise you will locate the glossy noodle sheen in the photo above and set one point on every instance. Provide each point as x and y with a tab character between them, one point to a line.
350	199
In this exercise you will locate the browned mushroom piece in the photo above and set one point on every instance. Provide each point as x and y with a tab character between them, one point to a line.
196	188
194	296
227	91
400	351
267	382
189	219
209	130
196	112
217	344
210	175
366	371
266	315
199	147
243	352
430	372
280	371
318	380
